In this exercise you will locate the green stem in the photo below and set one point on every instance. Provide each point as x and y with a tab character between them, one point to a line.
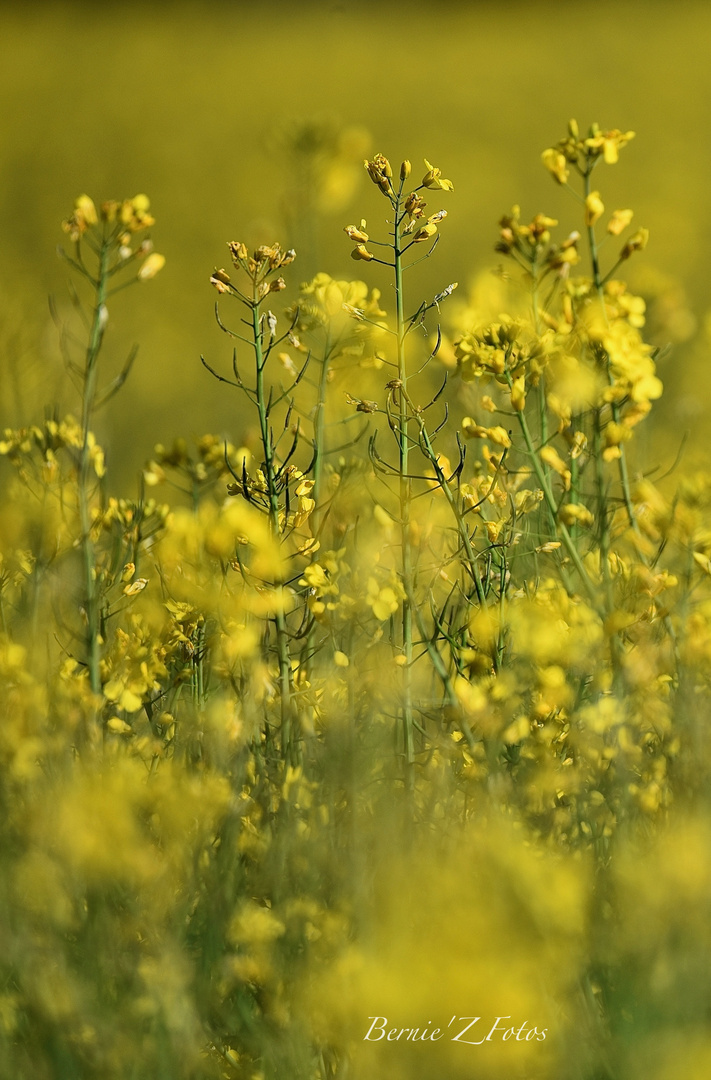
551	503
598	282
289	736
405	500
93	634
319	429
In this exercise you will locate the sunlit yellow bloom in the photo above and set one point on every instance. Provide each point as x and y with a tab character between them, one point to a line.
556	164
635	243
152	266
594	208
619	221
433	179
360	251
608	143
356	234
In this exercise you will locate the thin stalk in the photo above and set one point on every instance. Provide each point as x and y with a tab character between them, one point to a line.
454	506
320	427
289	737
405	499
93	632
551	503
599	282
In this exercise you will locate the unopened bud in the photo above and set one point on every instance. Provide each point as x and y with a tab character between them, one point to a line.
635	243
153	264
405	169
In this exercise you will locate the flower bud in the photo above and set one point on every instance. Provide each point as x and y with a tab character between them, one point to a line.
152	266
556	164
405	169
85	206
278	285
619	221
635	243
594	208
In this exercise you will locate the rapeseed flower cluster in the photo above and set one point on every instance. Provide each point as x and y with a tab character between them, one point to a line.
386	711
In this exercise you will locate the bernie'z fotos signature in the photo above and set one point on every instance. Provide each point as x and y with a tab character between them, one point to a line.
457	1028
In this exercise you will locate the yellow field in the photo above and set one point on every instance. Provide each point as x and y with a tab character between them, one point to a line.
355	683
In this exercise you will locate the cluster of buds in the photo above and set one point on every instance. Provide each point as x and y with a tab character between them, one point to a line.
259	265
380	172
133	214
583	152
124	219
527	241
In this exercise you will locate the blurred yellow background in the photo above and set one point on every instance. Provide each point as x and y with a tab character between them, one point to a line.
251	122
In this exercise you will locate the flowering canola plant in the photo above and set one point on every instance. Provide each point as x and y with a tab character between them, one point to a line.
388	708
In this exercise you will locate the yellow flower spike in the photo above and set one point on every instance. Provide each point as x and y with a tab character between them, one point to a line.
152	266
594	208
556	164
433	179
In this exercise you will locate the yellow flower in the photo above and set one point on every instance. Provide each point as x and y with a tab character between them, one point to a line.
619	221
425	233
433	179
497	435
360	251
594	208
85	206
356	234
152	266
635	243
556	164
608	143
